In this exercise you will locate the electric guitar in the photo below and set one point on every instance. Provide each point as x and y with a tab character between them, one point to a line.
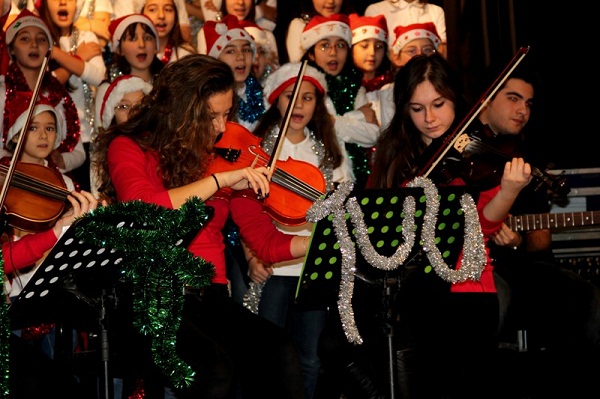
552	221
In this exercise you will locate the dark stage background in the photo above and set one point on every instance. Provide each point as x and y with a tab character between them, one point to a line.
484	35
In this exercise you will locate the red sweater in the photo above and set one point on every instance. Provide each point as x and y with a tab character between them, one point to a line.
27	250
135	175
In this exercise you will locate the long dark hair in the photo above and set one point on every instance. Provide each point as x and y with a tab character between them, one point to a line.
174	120
400	145
121	62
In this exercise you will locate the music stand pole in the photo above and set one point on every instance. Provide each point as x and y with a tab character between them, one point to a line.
105	348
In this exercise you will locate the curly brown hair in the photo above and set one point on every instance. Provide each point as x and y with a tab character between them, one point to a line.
174	120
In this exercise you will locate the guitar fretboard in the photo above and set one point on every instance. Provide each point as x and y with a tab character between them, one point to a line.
553	220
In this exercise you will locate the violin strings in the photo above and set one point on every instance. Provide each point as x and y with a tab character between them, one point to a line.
39	187
292	183
296	185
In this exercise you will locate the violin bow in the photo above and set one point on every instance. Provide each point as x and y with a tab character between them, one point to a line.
22	136
285	123
474	113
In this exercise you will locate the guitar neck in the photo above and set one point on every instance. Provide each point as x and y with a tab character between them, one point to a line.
553	221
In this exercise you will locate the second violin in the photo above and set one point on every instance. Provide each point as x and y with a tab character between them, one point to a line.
297	183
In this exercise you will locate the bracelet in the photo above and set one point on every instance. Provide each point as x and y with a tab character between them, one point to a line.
78	57
216	182
249	259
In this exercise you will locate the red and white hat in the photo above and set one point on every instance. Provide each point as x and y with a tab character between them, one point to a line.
320	27
25	19
364	28
287	75
215	35
258	34
118	27
406	34
110	95
18	114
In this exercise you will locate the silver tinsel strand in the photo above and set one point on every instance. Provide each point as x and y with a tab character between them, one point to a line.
474	258
252	297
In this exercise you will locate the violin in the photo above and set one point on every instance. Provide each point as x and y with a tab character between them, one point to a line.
298	184
36	199
33	196
469	151
478	157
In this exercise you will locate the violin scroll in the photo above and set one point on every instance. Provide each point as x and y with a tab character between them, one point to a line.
557	184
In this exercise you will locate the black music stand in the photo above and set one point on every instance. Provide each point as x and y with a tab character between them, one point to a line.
324	281
82	266
319	282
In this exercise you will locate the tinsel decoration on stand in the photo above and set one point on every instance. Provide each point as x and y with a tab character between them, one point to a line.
149	237
339	209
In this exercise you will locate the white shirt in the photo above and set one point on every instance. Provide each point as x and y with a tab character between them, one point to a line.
304	151
403	14
93	74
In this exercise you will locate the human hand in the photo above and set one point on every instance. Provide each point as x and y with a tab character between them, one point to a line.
81	203
517	175
88	50
269	12
256	179
369	113
210	6
258	271
505	237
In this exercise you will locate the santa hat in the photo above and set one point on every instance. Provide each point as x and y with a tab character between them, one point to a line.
110	95
406	34
215	35
258	34
25	19
118	27
287	75
364	28
320	27
80	3
18	115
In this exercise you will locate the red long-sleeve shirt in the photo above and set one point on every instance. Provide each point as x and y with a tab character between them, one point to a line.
135	175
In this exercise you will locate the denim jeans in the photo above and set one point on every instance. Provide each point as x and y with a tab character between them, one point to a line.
304	325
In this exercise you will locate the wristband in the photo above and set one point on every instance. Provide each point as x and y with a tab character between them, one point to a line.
216	182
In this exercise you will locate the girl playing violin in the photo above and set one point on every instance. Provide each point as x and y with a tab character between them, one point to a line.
161	155
446	331
310	137
22	252
28	39
44	134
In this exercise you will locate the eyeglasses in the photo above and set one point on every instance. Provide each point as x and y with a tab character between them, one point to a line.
328	46
412	51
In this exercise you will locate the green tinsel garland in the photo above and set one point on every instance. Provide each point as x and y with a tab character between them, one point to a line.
158	268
